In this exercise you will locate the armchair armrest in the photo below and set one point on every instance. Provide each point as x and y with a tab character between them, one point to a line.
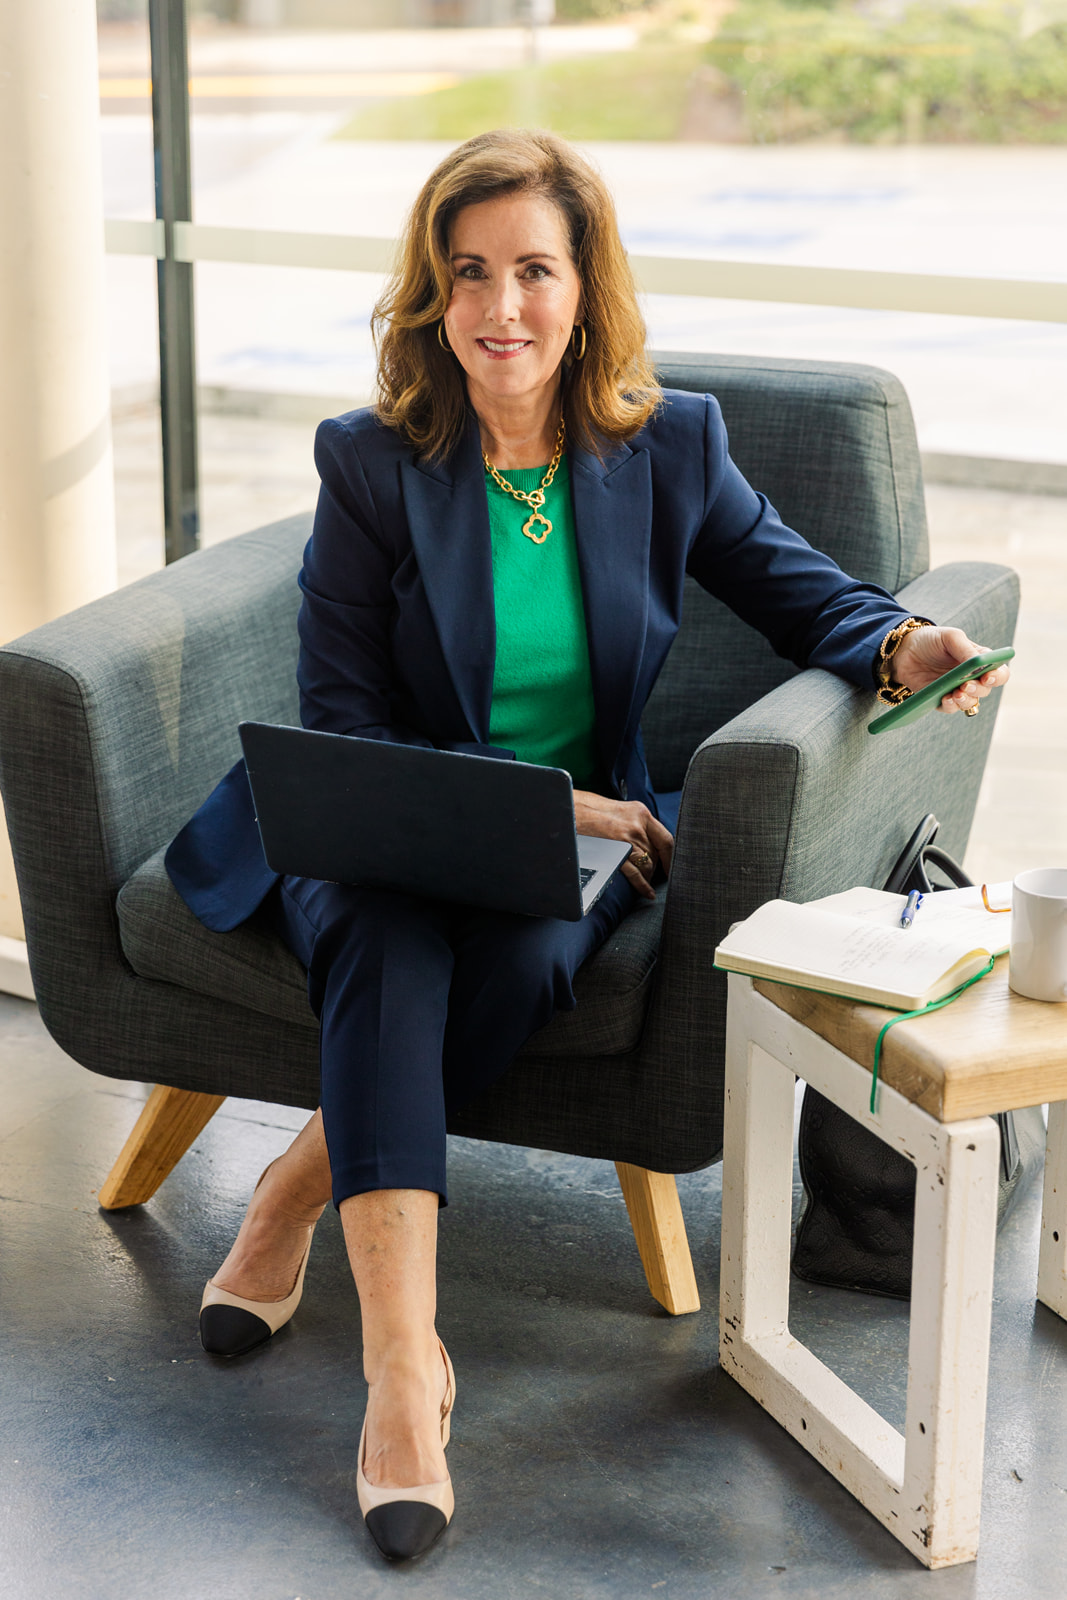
115	722
794	799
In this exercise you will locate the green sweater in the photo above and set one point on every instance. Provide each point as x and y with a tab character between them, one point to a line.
542	688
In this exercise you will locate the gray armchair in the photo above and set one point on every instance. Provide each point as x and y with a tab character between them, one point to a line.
117	720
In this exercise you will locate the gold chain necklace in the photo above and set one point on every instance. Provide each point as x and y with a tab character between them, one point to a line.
532	497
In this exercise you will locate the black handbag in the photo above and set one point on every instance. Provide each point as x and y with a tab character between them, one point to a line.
857	1225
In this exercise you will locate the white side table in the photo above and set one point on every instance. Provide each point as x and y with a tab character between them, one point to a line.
942	1076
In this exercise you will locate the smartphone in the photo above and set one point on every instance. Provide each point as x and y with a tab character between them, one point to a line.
924	700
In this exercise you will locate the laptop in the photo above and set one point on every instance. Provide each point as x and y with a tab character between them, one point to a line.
471	829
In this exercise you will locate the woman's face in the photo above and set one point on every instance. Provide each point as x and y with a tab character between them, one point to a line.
515	298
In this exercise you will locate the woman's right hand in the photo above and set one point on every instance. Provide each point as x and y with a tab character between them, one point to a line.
629	820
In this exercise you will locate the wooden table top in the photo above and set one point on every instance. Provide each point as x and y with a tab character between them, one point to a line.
990	1050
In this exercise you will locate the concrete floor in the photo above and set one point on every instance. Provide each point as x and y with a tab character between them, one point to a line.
597	1449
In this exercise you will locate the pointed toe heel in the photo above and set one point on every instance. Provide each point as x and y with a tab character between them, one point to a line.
232	1326
404	1523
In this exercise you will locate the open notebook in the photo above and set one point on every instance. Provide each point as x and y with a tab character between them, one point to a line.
852	944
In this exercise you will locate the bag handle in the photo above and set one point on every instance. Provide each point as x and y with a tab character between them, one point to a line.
911	856
911	870
934	856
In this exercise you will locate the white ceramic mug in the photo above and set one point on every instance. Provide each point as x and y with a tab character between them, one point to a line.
1038	962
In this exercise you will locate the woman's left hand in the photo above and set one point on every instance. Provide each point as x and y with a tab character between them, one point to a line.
927	653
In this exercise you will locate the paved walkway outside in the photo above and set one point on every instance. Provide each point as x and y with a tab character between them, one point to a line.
215	48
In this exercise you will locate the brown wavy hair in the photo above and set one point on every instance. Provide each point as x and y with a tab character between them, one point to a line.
609	395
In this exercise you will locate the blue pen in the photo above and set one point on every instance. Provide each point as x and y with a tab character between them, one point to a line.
907	916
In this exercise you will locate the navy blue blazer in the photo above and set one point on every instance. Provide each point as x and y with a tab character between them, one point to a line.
397	626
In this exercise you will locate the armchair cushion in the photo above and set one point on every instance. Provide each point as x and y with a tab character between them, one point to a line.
251	968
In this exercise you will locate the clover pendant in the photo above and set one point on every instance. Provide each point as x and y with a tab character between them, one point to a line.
538	538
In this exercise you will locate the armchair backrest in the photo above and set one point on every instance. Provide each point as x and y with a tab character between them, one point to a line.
833	448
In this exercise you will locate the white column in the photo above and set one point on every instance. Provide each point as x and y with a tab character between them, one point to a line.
57	517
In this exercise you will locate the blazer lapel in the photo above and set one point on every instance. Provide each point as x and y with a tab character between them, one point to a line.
613	523
448	518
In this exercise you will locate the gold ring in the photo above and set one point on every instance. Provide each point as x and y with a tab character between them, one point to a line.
642	860
972	711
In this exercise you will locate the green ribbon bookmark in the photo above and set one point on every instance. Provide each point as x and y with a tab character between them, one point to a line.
905	1016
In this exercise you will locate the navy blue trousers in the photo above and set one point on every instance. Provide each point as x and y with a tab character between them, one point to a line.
422	1005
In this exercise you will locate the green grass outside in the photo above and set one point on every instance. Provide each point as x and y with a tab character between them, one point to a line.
796	71
628	95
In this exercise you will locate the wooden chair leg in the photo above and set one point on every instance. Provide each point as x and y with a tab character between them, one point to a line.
166	1128
659	1228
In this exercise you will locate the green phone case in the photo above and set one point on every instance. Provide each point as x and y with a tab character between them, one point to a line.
917	705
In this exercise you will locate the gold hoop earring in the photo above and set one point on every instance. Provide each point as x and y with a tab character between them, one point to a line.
441	337
579	355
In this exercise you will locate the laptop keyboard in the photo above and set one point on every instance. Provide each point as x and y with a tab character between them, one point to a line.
585	873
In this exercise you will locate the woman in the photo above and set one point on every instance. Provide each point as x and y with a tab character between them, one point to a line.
497	567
